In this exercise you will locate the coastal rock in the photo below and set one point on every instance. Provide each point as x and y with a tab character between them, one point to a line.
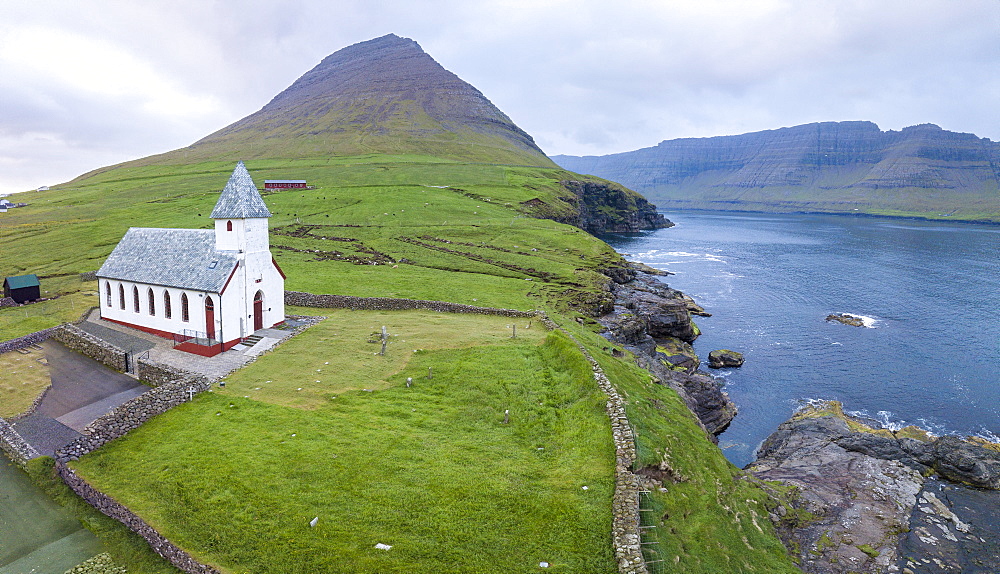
677	355
724	358
712	406
871	495
960	461
607	207
858	503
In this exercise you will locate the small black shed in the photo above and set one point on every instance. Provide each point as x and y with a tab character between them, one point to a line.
22	288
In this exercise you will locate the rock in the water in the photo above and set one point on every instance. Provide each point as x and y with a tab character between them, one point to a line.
847	319
724	358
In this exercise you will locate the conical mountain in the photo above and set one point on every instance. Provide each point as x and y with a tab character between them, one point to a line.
383	96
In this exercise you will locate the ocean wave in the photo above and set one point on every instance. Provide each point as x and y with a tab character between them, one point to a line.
703	256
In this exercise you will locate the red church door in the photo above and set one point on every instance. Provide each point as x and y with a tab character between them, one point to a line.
209	318
258	311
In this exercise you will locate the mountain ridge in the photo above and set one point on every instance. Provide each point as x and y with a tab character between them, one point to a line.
845	167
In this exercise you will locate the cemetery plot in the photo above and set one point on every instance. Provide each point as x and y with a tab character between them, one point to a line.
345	353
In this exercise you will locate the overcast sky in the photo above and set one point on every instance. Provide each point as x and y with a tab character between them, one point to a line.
87	83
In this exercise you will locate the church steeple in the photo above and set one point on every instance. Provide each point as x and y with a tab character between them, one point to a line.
240	215
240	199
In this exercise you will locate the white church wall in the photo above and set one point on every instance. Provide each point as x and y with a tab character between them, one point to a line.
158	320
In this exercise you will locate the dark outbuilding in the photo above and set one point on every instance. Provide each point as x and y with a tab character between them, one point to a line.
22	288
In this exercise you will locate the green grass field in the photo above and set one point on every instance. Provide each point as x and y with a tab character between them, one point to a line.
431	470
23	376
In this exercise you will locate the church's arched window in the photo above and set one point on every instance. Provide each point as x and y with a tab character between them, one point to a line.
152	301
166	304
185	314
121	296
107	289
135	299
229	226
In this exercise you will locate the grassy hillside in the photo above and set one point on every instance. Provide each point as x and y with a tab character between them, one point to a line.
447	484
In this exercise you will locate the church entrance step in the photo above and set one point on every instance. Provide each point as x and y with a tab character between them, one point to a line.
252	340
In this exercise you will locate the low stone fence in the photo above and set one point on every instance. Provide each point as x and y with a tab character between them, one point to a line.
625	534
16	447
391	304
8	302
119	512
27	340
84	343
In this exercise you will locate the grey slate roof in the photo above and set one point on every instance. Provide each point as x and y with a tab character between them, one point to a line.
182	258
240	198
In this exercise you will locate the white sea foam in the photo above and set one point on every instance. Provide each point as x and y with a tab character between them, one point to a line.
885	419
989	435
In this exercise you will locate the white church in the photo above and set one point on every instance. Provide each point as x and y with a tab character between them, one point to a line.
204	289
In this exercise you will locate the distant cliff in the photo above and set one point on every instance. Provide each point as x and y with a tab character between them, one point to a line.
845	167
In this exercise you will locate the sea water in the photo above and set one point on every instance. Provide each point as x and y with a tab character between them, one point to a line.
927	292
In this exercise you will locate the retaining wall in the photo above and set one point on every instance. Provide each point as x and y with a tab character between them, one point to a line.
391	304
16	448
84	343
176	387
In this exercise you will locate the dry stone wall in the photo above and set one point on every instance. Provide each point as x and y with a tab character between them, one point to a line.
119	512
625	532
26	341
391	304
84	343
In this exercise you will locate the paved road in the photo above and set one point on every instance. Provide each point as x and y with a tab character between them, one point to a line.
82	390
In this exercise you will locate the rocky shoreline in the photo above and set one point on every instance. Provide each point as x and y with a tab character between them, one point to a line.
654	322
